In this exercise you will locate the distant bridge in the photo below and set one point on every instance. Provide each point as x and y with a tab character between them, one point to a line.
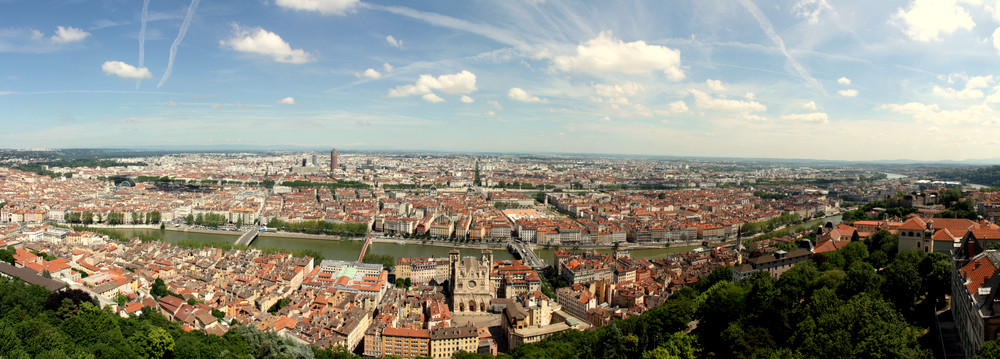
527	255
368	239
249	236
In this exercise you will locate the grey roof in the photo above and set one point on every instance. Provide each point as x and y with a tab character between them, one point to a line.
30	276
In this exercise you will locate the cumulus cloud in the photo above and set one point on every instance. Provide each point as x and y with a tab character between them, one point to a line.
844	81
750	96
715	85
392	41
996	38
926	20
325	7
371	73
606	54
977	114
36	35
467	99
707	102
811	105
460	83
517	94
971	90
815	117
678	107
490	113
432	98
65	35
286	101
848	93
124	70
263	42
387	67
495	104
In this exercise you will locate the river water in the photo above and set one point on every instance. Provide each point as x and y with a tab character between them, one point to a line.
349	249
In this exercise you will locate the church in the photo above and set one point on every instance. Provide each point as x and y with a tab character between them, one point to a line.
469	282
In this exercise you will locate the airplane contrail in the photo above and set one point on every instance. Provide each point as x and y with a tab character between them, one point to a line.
177	42
142	37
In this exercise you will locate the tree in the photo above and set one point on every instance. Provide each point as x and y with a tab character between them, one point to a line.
154	342
159	288
189	219
121	300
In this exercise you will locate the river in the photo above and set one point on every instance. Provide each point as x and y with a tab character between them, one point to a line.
349	249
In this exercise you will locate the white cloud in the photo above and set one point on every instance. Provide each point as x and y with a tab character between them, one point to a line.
972	87
978	114
844	81
815	117
715	85
216	105
517	94
678	107
432	98
707	102
495	104
926	20
171	103
371	73
811	105
36	35
387	67
122	69
952	94
460	83
65	35
606	118
605	54
811	9
263	42
286	101
392	41
490	113
325	7
467	99
750	96
623	90
848	93
996	38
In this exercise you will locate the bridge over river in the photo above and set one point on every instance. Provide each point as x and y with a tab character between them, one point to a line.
521	250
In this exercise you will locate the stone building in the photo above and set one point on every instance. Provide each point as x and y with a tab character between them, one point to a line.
470	284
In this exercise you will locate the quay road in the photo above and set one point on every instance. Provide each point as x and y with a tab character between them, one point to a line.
520	249
249	236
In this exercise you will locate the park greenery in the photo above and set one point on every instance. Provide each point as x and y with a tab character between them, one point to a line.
770	225
36	323
338	184
987	176
320	227
862	301
213	220
387	261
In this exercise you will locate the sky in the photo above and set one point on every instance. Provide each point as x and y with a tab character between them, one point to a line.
845	80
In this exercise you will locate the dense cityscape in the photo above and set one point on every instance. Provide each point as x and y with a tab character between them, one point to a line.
591	240
517	179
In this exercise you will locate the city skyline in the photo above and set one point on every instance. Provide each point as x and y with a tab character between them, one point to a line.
794	79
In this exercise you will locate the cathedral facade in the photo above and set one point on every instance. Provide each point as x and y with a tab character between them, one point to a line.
469	282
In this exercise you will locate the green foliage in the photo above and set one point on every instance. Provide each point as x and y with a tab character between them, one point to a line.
79	329
387	261
769	195
7	254
338	184
321	227
281	303
213	220
769	225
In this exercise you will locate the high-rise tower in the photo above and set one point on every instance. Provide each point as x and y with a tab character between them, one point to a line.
333	160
